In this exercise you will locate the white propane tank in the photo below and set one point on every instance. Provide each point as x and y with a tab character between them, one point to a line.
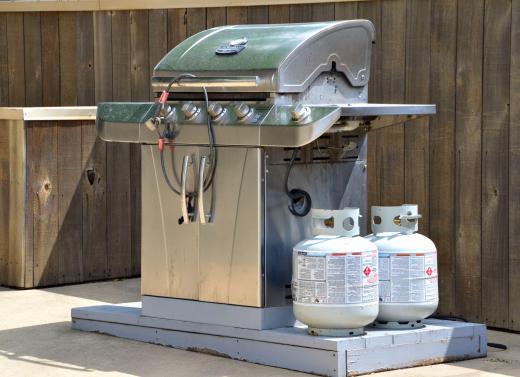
335	278
408	290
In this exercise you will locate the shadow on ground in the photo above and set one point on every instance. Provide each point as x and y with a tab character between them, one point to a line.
59	350
112	291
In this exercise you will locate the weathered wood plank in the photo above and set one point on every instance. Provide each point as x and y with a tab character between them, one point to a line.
158	38
467	300
4	67
42	180
69	246
416	133
21	264
495	140
140	64
442	126
94	159
50	51
390	153
514	176
236	15
28	215
118	210
215	17
33	59
118	157
5	183
195	20
345	10
258	15
68	67
103	56
176	26
12	205
139	39
94	180
15	58
279	14
85	59
323	12
301	13
121	56
135	201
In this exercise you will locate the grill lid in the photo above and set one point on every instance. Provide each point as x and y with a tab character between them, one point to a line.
278	58
271	85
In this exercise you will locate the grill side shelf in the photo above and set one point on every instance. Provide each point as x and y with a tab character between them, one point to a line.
270	125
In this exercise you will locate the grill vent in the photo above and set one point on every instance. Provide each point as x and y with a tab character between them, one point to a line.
326	149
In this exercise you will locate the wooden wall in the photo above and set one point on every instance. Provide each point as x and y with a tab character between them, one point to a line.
66	215
459	166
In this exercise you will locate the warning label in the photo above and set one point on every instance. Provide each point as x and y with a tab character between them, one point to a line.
337	278
408	277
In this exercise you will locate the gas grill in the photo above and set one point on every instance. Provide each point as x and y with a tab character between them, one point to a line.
252	126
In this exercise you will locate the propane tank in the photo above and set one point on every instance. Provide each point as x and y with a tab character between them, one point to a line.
408	290
335	278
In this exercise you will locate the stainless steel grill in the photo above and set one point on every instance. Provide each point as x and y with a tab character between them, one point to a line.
253	125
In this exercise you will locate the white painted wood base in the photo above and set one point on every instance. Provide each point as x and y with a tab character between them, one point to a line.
291	347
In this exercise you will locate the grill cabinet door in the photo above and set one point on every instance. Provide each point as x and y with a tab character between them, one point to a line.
230	247
220	261
170	259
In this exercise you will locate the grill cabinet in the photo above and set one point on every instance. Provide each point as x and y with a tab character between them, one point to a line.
271	89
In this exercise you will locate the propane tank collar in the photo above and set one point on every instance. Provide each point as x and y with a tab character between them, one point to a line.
399	219
343	222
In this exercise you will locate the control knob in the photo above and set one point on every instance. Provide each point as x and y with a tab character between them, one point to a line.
216	111
300	112
190	110
242	111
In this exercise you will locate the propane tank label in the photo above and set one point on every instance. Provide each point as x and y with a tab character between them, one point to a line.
408	277
337	278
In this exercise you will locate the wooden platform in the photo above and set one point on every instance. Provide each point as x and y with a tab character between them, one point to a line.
291	347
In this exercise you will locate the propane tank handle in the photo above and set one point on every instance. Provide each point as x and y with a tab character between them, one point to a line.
410	217
410	222
401	219
343	222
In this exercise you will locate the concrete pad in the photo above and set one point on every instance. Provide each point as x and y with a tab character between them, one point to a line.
36	340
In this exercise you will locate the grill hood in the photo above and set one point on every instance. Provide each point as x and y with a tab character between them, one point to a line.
283	58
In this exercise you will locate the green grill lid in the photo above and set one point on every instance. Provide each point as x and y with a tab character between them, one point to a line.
283	58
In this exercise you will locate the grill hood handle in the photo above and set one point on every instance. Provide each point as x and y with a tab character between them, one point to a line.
207	82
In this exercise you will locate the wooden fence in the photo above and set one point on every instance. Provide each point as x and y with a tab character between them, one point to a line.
67	214
459	166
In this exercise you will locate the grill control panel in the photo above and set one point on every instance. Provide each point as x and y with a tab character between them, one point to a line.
234	123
